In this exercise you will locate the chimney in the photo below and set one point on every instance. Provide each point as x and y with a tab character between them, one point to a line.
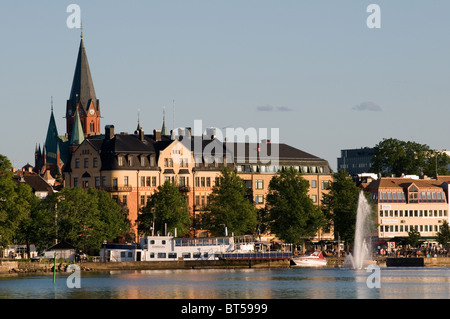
109	132
157	135
141	135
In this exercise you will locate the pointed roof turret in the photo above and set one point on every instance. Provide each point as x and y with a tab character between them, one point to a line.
82	86
51	141
77	136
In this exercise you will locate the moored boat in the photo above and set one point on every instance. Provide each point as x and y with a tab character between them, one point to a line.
315	259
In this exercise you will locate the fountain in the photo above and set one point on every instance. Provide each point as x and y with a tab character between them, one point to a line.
360	247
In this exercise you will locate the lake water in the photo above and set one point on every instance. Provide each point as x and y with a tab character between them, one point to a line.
293	283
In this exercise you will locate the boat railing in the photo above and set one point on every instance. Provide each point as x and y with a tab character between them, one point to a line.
256	255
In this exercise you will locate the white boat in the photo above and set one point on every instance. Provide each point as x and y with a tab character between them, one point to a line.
169	248
315	259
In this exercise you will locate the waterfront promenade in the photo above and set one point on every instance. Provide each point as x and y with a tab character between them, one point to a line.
8	267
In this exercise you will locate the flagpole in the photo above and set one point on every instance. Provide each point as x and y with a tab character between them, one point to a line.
54	268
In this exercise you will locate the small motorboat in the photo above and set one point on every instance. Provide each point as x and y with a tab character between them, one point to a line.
315	259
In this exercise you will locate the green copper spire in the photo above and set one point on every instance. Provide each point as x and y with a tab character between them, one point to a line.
51	141
77	136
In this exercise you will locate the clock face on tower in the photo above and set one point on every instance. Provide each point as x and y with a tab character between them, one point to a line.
91	112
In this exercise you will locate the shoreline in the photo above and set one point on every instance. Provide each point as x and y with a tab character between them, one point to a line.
16	267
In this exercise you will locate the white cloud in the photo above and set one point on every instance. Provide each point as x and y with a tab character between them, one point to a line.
270	108
367	106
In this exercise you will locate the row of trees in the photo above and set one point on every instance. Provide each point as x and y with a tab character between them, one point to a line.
82	218
397	157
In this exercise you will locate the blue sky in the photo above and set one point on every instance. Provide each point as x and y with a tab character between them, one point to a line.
311	68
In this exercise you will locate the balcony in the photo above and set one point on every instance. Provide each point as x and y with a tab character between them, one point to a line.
184	189
117	188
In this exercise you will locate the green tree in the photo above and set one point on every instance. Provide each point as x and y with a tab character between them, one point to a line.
443	236
340	206
15	205
43	229
113	222
292	215
393	156
413	237
166	207
30	203
229	207
82	218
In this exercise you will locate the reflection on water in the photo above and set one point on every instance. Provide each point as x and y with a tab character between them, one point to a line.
295	283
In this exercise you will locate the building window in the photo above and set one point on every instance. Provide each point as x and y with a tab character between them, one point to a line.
142	200
148	181
124	200
97	181
325	184
114	181
103	180
120	161
75	181
182	181
168	162
208	182
203	201
259	199
95	162
142	181
125	180
86	162
259	184
202	182
154	181
313	184
314	198
77	163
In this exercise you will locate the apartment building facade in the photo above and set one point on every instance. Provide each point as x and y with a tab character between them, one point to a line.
132	166
404	204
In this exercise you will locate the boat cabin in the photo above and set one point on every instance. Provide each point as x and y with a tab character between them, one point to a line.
166	248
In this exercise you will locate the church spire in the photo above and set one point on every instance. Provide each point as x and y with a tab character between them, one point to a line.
51	139
77	136
82	96
82	86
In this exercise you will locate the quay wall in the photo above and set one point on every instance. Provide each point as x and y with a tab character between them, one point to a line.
8	266
11	267
184	264
437	262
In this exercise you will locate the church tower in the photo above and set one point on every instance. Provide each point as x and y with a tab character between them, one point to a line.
83	101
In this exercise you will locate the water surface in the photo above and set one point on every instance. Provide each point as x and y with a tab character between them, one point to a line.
294	283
